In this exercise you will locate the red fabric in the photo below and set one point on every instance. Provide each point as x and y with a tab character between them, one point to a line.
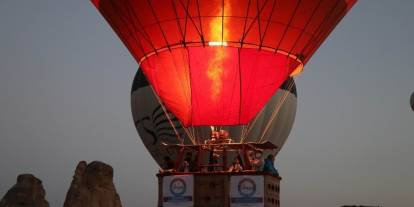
170	40
183	81
142	23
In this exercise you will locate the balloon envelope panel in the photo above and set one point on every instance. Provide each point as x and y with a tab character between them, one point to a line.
154	128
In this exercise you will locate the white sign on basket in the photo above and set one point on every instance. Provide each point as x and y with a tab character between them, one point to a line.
178	191
246	191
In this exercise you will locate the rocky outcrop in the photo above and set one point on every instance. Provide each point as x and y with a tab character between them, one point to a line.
27	192
92	186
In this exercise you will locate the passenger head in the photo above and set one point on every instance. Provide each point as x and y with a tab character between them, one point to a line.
214	134
221	133
271	157
258	154
250	154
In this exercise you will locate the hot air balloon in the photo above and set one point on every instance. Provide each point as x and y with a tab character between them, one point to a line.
215	67
155	130
412	101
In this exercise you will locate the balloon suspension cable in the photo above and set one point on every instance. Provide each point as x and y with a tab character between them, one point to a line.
242	134
197	138
192	132
250	127
188	132
181	140
276	111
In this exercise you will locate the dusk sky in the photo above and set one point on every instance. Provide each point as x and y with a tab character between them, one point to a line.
65	80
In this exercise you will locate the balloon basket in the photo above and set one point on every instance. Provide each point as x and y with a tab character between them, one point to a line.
212	183
218	189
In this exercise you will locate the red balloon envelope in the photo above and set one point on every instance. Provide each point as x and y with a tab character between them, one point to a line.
217	62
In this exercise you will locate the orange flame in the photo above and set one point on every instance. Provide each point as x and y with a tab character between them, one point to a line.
218	35
215	72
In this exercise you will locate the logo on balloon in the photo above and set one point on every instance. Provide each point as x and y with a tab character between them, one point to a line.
178	187
246	187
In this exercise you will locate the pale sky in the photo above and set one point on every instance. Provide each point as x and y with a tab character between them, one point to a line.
65	81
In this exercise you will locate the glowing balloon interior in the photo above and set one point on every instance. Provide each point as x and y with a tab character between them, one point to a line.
218	62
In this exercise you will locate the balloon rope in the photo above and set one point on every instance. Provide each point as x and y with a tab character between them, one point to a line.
181	140
243	131
273	115
246	132
192	132
192	139
250	126
195	135
276	111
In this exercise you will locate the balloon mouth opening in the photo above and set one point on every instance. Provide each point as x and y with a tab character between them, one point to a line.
297	71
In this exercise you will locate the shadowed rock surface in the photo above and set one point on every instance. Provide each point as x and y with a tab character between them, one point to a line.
27	192
92	186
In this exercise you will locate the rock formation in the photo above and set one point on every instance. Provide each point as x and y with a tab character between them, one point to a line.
92	186
27	192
